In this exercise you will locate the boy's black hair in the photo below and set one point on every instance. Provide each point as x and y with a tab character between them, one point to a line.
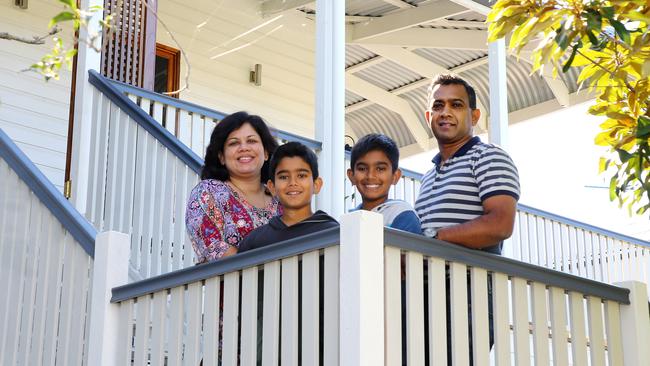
372	142
290	150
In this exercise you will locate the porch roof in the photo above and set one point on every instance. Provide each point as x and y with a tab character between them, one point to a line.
394	47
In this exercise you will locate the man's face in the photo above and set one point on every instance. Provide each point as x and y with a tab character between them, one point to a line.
373	175
294	184
450	117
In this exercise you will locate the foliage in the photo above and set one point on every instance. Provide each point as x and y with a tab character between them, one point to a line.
610	42
50	64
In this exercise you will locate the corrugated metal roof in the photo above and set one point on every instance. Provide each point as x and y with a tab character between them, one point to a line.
351	98
356	54
375	118
388	75
368	7
449	58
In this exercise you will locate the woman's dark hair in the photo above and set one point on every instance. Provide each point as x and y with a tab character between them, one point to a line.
212	167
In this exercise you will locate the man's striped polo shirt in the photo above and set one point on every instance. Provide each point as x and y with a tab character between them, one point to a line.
453	192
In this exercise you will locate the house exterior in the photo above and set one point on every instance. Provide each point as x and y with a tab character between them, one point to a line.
122	285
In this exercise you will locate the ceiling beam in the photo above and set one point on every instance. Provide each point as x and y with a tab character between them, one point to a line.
274	7
391	102
480	6
404	19
400	4
461	39
459	24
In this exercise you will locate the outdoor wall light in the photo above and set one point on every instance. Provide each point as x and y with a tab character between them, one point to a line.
21	3
256	75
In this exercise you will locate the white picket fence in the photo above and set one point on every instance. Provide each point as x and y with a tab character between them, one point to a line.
539	237
45	270
541	317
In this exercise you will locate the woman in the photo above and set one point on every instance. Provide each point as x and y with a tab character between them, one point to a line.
231	199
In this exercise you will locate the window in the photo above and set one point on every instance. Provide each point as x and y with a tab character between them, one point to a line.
168	64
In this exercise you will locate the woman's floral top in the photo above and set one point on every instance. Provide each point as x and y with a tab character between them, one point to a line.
217	218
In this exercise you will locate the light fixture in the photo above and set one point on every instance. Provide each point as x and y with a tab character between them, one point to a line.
21	3
256	75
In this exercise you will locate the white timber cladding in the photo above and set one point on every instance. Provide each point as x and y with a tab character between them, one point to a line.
215	36
33	112
45	282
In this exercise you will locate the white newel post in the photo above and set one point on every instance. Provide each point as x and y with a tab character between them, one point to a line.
498	122
330	96
361	289
635	324
110	269
87	59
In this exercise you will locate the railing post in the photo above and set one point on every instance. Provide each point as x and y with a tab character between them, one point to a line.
361	322
635	322
110	269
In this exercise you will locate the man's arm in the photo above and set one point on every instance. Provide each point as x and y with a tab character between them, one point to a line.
487	230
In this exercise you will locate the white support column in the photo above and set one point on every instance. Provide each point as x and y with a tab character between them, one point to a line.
330	94
87	59
110	269
635	323
361	321
498	120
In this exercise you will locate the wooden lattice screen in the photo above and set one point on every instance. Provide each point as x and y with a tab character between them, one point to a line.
129	50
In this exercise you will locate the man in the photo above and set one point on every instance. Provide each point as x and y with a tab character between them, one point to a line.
470	196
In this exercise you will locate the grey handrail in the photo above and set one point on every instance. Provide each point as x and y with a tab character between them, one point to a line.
80	229
508	266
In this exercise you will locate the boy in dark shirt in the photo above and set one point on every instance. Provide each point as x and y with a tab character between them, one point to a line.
294	180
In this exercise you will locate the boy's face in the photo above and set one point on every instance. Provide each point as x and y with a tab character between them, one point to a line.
294	183
373	175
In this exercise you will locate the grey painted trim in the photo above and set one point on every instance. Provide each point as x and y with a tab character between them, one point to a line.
80	229
493	262
210	113
146	121
318	240
582	225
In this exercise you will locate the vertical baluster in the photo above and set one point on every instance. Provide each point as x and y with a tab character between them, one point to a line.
165	224
211	313
525	238
139	211
614	334
414	309
271	314
408	191
578	336
331	307
540	324
289	309
310	307
170	119
392	306
175	345
520	321
480	325
559	326
459	321
194	326
558	248
160	175
125	333
157	112
515	239
582	255
437	310
590	262
542	248
185	127
533	240
129	176
158	327
141	344
549	243
180	189
65	315
197	134
249	317
596	331
230	316
501	302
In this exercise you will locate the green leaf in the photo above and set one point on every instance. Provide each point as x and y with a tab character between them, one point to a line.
612	188
594	21
61	17
621	31
643	129
569	61
608	12
623	155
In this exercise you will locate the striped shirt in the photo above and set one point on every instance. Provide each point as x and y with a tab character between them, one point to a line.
452	193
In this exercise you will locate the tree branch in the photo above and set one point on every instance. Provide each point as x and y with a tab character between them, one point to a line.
34	40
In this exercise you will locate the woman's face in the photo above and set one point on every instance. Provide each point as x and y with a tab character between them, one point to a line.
243	153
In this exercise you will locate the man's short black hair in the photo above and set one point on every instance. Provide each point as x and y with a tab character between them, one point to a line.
375	142
450	79
290	150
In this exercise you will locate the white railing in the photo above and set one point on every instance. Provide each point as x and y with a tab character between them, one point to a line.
569	246
45	268
540	316
539	237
